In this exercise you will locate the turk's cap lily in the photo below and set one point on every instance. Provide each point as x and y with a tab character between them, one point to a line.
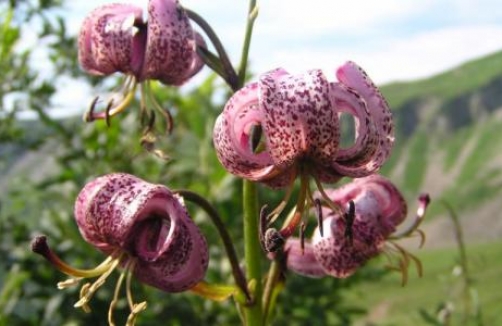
298	118
345	240
122	213
116	38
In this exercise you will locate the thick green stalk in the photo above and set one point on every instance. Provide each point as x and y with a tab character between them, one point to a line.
253	313
252	13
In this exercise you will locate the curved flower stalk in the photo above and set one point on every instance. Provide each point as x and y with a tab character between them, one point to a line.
298	119
144	228
116	38
344	242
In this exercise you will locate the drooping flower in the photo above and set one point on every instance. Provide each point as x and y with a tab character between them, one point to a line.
342	243
116	38
144	228
298	119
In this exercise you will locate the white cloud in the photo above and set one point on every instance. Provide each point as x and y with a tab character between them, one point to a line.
393	59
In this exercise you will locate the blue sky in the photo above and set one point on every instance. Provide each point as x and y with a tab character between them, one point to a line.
391	39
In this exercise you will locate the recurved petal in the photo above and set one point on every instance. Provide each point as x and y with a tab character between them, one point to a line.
172	252
302	260
299	117
377	200
353	160
107	38
232	137
354	77
339	255
171	44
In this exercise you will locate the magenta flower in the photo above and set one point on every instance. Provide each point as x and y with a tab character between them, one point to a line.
344	242
144	228
299	119
115	38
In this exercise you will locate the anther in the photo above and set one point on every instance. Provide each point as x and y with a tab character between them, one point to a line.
318	210
274	241
349	217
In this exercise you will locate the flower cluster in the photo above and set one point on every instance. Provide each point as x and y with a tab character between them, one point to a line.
274	131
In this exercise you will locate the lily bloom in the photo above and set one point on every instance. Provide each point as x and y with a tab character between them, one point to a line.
342	243
299	118
286	126
116	38
142	227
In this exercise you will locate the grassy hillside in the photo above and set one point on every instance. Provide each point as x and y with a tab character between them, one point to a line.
465	78
390	304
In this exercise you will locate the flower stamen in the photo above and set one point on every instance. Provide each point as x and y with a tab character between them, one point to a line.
295	220
86	295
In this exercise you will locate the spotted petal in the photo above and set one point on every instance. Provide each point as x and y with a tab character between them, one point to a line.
232	136
354	77
109	41
378	201
299	117
302	261
379	208
171	44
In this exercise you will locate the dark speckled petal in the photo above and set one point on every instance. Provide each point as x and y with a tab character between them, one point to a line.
108	40
170	50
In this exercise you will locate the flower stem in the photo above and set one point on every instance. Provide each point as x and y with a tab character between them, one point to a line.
239	277
253	313
230	75
252	14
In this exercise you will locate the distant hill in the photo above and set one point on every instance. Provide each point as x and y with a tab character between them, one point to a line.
449	143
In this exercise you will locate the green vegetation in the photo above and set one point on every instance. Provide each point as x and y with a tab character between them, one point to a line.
391	304
463	79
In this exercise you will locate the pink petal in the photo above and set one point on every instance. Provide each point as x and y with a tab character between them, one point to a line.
302	261
336	254
107	37
231	136
354	77
170	50
299	117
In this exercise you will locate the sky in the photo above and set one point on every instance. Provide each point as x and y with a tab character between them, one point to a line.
393	40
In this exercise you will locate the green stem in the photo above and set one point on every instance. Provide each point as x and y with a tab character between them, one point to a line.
253	313
252	14
230	75
466	277
272	287
239	277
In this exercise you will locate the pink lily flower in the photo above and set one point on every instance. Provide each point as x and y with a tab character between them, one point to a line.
142	227
299	118
116	38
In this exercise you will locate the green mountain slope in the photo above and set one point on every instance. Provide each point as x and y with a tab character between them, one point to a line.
449	141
